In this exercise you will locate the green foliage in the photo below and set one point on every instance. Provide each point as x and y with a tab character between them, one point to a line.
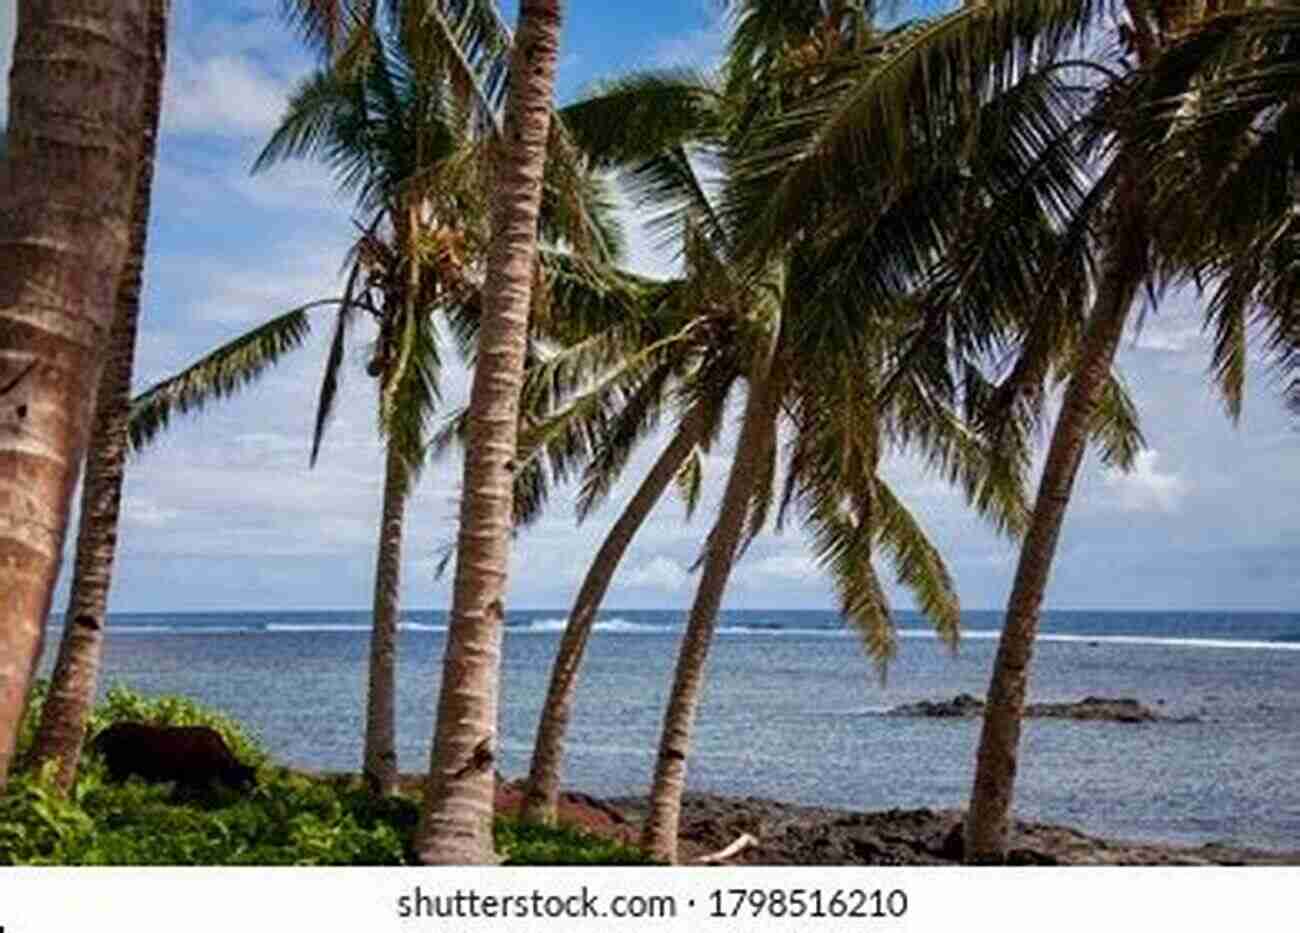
289	819
531	844
122	704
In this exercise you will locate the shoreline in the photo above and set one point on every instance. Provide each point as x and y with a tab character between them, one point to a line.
795	834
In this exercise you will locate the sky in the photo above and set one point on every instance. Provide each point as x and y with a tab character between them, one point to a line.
225	514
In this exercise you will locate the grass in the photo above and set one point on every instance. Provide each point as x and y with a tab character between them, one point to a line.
289	819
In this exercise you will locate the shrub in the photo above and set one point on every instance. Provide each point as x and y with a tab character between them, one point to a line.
288	819
122	704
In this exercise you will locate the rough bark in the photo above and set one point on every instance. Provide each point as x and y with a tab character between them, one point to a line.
456	819
380	759
76	672
988	820
659	836
541	797
67	189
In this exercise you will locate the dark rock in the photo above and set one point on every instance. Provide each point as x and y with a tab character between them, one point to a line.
952	847
1031	857
192	756
1105	709
1124	709
959	706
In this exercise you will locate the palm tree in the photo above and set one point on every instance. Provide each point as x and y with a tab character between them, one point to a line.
1215	113
654	359
894	119
62	727
983	200
391	132
379	115
686	110
401	135
1125	265
456	817
67	191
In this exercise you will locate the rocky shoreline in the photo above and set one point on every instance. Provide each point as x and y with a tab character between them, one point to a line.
789	834
1089	709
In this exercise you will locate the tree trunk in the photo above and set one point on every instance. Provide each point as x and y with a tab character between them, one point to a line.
542	795
76	672
988	821
659	836
67	189
456	820
380	763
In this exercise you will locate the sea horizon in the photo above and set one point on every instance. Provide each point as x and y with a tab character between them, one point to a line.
564	609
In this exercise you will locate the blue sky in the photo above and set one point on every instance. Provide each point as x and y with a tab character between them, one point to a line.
225	514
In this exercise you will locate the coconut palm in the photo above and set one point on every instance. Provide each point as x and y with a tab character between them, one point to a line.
651	358
687	110
1216	112
414	158
962	196
953	62
62	728
65	235
455	821
1125	265
456	817
393	135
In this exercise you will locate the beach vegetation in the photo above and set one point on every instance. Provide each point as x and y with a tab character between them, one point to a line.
289	818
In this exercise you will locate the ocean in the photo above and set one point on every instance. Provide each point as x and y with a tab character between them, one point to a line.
793	708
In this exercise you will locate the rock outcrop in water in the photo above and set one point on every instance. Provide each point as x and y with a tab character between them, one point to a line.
1103	709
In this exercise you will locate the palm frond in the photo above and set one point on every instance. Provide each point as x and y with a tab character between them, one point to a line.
845	550
1116	428
897	116
918	564
219	374
690	481
332	377
632	119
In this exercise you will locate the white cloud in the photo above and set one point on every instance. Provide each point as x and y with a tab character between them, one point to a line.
790	565
234	291
293	186
1170	334
147	513
226	95
1145	488
660	573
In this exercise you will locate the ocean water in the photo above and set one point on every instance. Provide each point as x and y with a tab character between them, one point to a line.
793	708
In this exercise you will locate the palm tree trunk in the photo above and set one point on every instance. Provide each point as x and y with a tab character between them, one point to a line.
456	819
659	836
67	189
380	763
988	821
76	672
542	795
